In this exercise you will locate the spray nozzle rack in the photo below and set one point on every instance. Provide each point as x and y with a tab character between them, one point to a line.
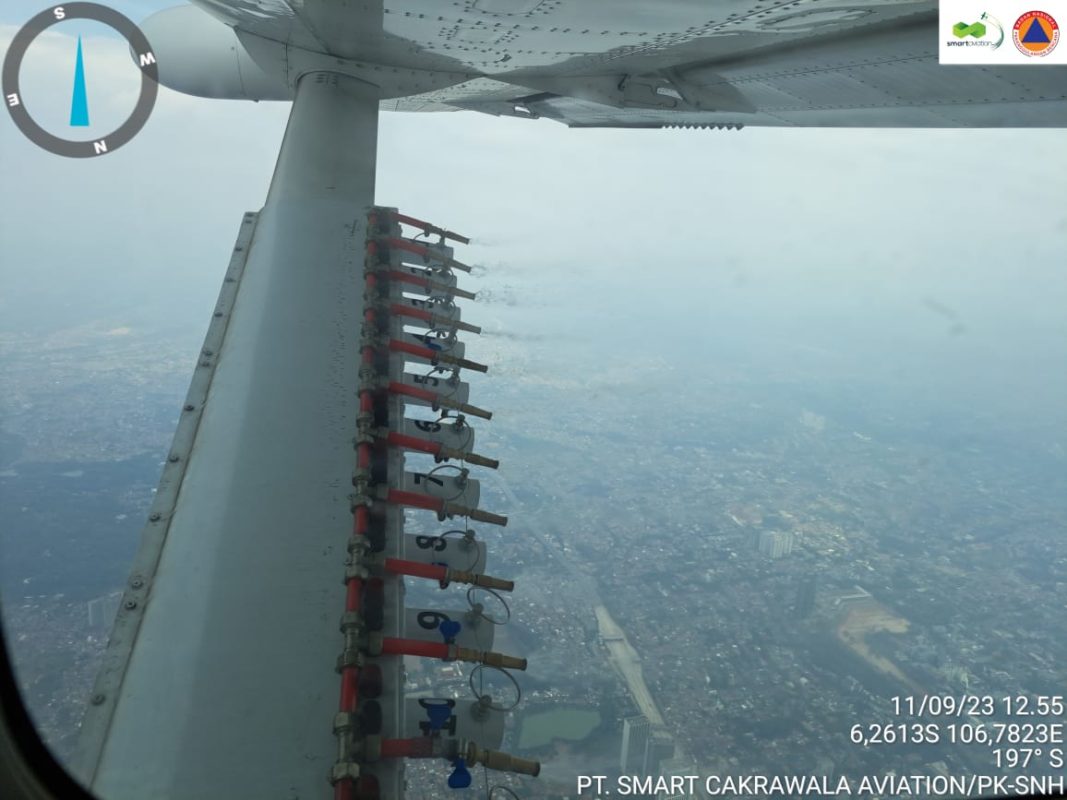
410	283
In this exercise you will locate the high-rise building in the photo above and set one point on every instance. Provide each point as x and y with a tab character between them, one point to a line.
659	748
775	543
102	611
635	737
805	602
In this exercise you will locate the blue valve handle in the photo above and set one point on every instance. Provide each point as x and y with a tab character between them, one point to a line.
438	715
450	630
461	776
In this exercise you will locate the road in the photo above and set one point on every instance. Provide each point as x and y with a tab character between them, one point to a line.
628	663
624	657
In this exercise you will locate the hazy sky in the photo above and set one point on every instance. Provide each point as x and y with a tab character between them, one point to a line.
948	242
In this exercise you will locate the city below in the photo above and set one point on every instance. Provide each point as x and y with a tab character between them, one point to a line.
722	575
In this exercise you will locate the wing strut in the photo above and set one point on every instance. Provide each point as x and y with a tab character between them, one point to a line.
220	678
218	681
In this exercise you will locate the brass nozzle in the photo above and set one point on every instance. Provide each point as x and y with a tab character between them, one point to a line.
457	510
481	461
470	458
504	762
465	363
474	411
459	576
489	658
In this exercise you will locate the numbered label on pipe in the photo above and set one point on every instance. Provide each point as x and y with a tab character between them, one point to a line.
440	384
425	624
455	437
452	551
445	485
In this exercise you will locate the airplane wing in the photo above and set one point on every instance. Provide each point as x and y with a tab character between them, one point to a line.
882	78
831	63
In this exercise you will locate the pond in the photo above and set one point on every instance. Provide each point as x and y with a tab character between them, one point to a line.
571	724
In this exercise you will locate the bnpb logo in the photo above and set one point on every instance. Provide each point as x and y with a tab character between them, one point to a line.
1035	33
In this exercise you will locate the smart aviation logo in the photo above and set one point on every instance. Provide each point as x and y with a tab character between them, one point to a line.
1035	33
978	34
962	30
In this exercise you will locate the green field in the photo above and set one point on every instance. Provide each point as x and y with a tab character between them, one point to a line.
571	724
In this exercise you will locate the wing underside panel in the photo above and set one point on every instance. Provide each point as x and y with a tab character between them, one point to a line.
835	63
892	80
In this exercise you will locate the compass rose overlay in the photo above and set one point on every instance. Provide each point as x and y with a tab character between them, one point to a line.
142	53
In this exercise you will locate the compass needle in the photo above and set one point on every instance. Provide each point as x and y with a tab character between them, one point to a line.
79	104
